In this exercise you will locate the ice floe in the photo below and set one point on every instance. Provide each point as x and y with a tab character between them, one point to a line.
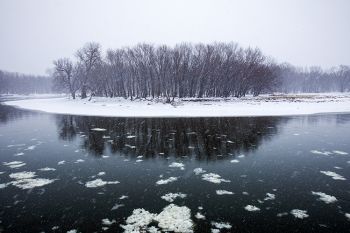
251	208
270	196
173	218
98	129
214	178
101	173
340	152
108	222
221	225
347	215
224	192
234	161
14	164
199	216
334	175
19	154
30	147
123	197
98	183
325	197
26	180
4	185
166	181
117	206
317	152
170	197
72	231
79	161
46	169
299	213
198	171
61	162
177	165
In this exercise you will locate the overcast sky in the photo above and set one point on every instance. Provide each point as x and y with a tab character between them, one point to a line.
33	33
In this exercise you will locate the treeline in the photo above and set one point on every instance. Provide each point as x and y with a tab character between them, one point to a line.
314	79
14	83
185	70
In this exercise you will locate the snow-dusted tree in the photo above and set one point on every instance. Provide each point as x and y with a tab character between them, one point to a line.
65	76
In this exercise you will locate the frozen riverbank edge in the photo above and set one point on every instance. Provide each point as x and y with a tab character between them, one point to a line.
265	105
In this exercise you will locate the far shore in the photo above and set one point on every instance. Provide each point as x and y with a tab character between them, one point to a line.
265	105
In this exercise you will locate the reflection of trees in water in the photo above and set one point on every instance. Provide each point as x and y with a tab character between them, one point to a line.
9	113
204	138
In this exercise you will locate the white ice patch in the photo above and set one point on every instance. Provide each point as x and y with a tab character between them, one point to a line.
131	136
98	129
61	162
317	152
270	196
334	175
340	152
4	185
14	164
325	197
175	218
101	173
79	161
31	147
117	206
234	161
299	213
199	216
138	221
138	160
98	183
214	178
19	154
26	180
72	231
153	229
123	197
108	222
251	208
16	145
224	192
170	197
166	181
46	169
347	215
221	225
177	165
198	171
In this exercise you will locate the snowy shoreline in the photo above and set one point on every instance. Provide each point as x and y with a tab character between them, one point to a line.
265	105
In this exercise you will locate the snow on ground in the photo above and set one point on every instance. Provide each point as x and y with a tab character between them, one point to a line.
266	105
170	197
299	213
334	175
325	197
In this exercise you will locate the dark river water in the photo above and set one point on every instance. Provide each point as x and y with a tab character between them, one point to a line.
276	174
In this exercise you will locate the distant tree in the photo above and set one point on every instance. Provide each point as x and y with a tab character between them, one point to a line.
65	77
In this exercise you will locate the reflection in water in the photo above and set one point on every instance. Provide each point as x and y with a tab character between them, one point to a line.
204	138
9	113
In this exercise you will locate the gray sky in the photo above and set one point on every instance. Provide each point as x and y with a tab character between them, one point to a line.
33	33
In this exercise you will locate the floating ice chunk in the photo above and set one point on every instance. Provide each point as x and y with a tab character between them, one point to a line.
106	137
55	228
72	231
251	208
299	213
334	175
325	197
139	157
221	225
101	173
270	196
138	221
340	152
339	168
153	229
131	136
175	218
234	161
4	185
14	164
241	156
214	178
31	147
1	173
16	145
46	169
347	215
170	197
177	165
321	153
61	162
138	160
224	192
117	206
31	183
245	193
79	161
215	231
198	171
19	154
199	216
282	214
130	146
108	222
98	183
228	141
166	181
123	197
22	175
98	129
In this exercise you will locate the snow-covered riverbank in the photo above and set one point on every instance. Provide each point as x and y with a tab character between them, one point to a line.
267	105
